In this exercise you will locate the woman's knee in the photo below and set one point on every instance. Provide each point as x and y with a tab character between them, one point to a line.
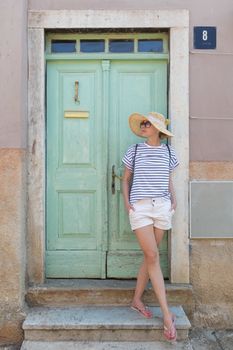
151	257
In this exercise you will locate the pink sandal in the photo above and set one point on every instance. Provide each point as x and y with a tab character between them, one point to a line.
144	311
170	333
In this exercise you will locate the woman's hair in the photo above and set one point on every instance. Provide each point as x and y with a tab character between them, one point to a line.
162	135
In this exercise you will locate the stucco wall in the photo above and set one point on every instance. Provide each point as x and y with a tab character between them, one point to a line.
211	261
13	114
212	280
12	233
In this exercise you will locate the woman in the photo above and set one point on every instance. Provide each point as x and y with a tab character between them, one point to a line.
150	202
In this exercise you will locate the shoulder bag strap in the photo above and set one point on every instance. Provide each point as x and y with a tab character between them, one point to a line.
134	156
169	154
135	152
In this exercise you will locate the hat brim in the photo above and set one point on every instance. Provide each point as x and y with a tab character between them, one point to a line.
134	122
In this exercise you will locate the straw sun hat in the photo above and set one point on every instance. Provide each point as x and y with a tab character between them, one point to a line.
156	119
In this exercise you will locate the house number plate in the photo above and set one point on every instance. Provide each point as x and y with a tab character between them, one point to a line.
205	38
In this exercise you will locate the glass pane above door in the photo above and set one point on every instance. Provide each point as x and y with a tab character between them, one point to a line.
63	46
146	44
154	45
121	45
92	45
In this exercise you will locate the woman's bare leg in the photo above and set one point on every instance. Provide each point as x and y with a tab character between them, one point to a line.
146	239
142	280
143	276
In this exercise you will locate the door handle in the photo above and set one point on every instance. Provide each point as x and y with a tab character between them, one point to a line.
76	88
114	175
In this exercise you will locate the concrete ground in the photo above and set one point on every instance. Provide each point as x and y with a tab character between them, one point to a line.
207	339
199	339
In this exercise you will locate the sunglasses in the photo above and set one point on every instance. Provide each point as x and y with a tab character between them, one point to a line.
145	123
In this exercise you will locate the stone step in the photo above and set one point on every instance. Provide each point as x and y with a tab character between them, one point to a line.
108	323
65	293
71	345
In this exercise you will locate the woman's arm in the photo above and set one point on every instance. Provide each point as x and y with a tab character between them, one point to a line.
172	192
125	188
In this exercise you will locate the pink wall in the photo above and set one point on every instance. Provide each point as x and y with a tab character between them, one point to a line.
13	73
211	72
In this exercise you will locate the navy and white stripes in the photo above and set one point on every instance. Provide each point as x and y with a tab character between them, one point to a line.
151	171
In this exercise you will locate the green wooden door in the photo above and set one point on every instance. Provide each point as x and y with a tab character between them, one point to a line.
136	86
88	233
76	191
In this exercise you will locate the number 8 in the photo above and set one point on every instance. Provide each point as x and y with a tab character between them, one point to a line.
204	35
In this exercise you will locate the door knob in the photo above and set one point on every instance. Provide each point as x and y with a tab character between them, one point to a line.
114	175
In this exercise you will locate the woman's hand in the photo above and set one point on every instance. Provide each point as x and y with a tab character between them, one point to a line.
125	188
129	207
173	205
172	193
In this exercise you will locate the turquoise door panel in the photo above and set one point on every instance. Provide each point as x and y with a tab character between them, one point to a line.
75	191
135	86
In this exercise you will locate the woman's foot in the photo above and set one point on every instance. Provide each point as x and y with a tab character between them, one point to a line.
169	328
142	309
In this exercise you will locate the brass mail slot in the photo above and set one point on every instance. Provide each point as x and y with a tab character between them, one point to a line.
76	114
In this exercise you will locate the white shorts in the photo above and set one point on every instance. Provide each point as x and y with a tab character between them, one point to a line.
151	211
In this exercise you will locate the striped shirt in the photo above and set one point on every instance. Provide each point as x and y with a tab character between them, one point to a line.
153	165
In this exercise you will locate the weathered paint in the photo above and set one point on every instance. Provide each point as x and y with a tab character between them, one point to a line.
36	152
13	130
211	171
13	252
88	231
211	277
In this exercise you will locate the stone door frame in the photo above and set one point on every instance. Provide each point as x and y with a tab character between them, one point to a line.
178	101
